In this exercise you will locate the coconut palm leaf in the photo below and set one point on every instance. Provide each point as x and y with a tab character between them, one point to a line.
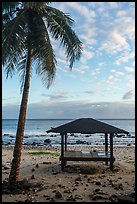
61	30
43	54
8	7
38	6
13	42
61	14
21	68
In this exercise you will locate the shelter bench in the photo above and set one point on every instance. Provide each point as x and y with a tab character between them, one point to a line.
87	126
86	156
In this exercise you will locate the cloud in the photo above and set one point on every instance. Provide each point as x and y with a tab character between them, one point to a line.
113	5
86	55
115	43
121	13
125	57
57	96
130	82
83	10
129	69
73	109
61	60
88	34
81	69
129	95
96	72
8	98
89	92
117	73
119	36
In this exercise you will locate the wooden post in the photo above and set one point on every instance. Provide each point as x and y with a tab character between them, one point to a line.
106	146
66	142
62	152
111	151
65	162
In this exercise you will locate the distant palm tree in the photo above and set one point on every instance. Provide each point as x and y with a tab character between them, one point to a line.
26	42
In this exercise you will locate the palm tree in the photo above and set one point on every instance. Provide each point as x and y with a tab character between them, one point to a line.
25	43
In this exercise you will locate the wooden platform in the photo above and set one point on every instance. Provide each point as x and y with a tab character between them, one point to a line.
85	156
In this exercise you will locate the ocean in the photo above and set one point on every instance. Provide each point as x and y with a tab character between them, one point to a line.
35	133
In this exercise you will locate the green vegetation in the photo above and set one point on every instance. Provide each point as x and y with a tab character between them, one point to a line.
42	153
132	161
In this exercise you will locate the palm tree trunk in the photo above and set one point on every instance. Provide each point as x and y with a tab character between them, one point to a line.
15	166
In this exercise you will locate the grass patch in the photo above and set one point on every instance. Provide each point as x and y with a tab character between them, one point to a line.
131	161
4	155
39	153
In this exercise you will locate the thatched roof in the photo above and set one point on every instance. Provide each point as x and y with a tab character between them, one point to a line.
86	126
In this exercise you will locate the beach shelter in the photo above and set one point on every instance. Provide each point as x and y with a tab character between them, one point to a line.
87	126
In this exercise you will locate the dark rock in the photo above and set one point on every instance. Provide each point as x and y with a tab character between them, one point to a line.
28	200
58	194
118	186
70	198
80	142
48	141
32	169
37	165
97	190
113	198
74	189
78	197
32	177
46	162
6	134
68	191
33	143
98	183
6	167
78	179
47	197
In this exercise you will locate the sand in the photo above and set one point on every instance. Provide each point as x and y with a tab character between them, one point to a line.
101	185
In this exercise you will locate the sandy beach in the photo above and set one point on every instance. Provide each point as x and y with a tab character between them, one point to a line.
52	185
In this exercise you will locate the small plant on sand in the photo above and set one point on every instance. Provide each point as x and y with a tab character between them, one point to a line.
42	153
132	161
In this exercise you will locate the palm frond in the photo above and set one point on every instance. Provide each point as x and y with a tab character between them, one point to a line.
13	43
24	27
8	7
61	30
9	10
43	54
37	6
62	15
21	68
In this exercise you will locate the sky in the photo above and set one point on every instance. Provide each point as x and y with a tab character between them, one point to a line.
101	84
